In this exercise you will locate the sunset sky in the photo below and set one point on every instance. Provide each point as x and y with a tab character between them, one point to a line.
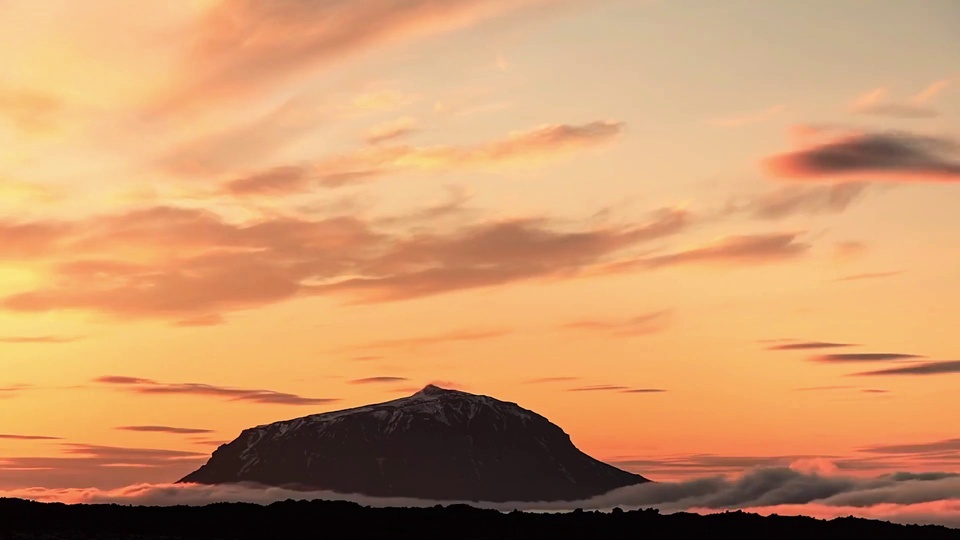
701	236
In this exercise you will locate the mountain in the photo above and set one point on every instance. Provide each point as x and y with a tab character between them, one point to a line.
436	444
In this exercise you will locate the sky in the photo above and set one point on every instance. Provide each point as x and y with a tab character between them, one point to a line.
702	237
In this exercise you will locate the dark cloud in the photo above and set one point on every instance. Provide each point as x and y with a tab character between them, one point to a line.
12	437
808	345
149	386
38	339
863	357
83	465
894	156
869	275
647	323
745	249
949	445
379	380
201	265
921	368
801	200
166	429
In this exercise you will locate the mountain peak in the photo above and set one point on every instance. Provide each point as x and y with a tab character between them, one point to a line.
434	390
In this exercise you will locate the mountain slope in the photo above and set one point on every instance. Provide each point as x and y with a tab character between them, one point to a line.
436	444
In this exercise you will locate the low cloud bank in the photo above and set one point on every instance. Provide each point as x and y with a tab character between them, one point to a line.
924	498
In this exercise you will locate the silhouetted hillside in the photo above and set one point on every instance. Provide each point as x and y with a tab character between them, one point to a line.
321	519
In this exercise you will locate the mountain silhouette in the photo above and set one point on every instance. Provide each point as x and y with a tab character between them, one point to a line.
436	444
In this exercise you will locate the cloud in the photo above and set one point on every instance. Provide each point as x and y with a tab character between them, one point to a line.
11	437
921	368
148	386
495	253
390	131
183	264
918	106
82	465
543	380
29	111
808	345
863	357
200	320
418	342
849	250
748	118
647	323
335	171
292	37
379	380
949	445
166	429
800	200
615	388
879	156
869	275
895	497
743	249
38	339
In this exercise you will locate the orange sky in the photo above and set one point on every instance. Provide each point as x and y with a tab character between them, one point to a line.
699	236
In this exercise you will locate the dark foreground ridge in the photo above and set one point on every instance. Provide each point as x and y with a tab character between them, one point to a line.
334	519
436	444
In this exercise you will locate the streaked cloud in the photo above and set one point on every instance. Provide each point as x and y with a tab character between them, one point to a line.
166	429
150	387
800	200
647	323
362	165
14	437
869	275
922	368
748	118
390	131
38	339
741	249
430	340
379	380
615	388
875	102
879	156
808	345
863	357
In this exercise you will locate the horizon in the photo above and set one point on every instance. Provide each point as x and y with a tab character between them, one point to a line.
706	239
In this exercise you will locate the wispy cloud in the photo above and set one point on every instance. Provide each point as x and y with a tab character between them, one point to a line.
869	275
748	118
38	339
390	131
190	266
647	323
166	429
148	386
418	342
742	249
800	200
875	102
362	165
615	388
295	36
